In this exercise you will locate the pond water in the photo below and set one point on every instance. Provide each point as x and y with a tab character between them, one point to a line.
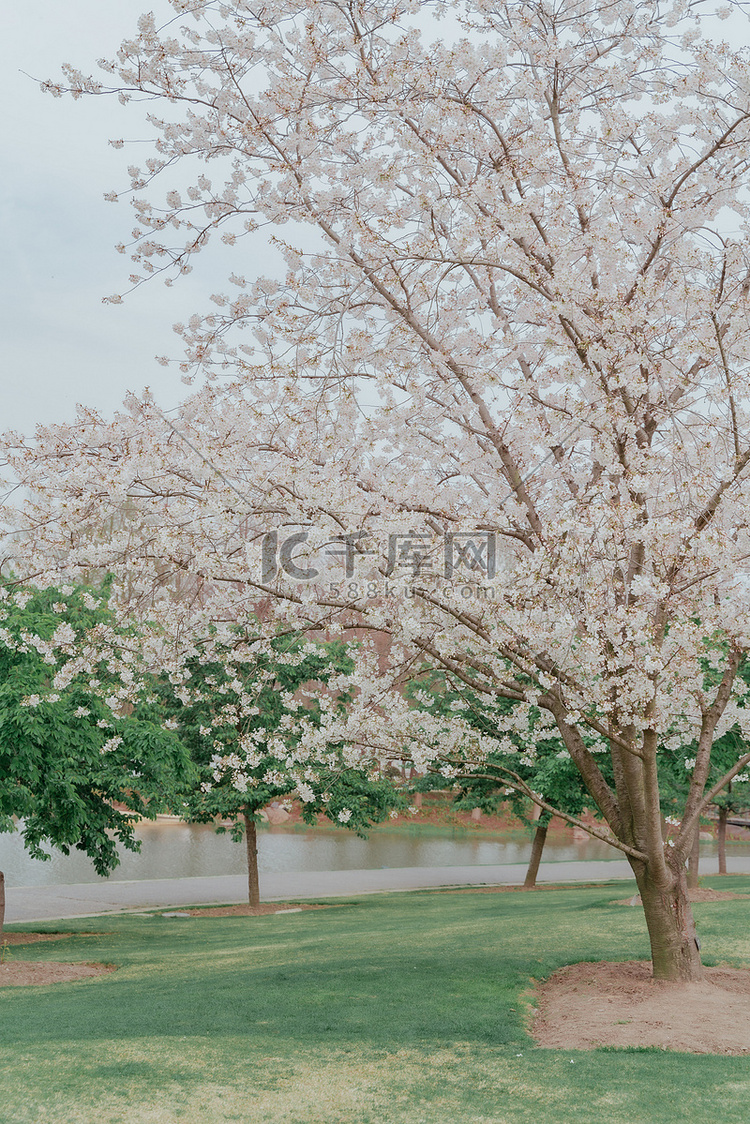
177	850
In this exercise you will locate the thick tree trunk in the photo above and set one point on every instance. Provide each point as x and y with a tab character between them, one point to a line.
675	952
722	839
2	902
251	844
536	855
694	860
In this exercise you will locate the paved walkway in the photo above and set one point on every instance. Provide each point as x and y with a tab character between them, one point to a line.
51	903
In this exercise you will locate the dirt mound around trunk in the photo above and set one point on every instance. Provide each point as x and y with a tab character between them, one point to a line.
32	938
250	910
33	973
583	1006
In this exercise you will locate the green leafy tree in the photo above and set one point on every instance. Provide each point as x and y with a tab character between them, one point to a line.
243	707
677	772
543	778
77	767
733	801
679	762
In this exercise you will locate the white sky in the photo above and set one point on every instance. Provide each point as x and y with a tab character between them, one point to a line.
59	344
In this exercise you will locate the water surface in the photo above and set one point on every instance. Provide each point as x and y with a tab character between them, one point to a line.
176	850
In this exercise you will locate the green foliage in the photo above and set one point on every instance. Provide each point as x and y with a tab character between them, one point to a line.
675	773
542	762
354	798
545	766
69	748
676	763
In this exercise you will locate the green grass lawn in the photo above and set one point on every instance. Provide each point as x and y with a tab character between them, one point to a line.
392	1009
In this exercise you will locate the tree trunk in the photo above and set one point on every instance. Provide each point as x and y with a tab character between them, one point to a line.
694	860
722	838
251	844
537	847
675	952
2	902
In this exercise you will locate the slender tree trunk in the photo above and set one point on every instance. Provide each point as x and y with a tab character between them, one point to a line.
2	902
694	860
537	847
675	953
722	838
251	844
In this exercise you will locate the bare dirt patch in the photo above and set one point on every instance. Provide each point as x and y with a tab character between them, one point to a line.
701	894
33	973
583	1006
32	938
253	910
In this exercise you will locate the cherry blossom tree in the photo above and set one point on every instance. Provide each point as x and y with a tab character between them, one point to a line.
238	703
509	302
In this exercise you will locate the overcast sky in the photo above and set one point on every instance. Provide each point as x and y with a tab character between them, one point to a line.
59	344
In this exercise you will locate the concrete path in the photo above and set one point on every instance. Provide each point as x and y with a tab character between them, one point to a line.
49	903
